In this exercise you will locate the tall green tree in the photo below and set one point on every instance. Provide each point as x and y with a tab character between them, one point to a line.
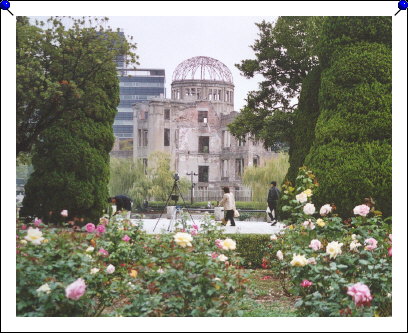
351	153
54	64
77	80
285	53
304	123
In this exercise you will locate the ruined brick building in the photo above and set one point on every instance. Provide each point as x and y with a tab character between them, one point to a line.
192	128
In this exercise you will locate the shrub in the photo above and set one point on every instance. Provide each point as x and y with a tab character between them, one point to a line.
252	248
322	285
351	154
136	275
349	172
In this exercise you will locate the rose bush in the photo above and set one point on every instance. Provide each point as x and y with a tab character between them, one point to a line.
346	263
119	270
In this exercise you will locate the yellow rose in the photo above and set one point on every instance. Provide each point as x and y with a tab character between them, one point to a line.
133	273
291	227
228	244
183	239
45	241
308	192
320	223
298	260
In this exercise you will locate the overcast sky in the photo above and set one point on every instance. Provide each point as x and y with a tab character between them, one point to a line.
166	41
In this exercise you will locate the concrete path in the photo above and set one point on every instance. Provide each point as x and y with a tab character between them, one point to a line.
242	227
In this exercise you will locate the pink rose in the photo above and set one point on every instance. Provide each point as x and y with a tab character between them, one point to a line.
195	226
64	213
218	243
371	244
306	283
315	244
126	238
360	293
75	290
37	222
214	255
194	232
390	251
23	227
103	252
100	228
361	210
90	227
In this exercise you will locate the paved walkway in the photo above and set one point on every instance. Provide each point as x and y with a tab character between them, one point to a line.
242	227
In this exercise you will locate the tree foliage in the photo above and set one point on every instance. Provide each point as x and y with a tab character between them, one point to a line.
351	154
130	177
304	123
259	178
285	52
58	67
71	106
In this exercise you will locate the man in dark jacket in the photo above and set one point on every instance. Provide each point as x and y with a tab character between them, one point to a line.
273	197
122	202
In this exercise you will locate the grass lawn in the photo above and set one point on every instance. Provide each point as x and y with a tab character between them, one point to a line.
265	298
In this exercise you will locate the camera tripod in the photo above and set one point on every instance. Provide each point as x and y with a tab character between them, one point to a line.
174	197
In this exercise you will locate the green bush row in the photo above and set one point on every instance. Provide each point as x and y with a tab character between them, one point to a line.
252	248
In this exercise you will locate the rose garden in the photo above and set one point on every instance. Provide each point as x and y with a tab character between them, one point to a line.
332	253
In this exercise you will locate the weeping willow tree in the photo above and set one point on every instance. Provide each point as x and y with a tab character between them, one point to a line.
130	177
259	178
162	177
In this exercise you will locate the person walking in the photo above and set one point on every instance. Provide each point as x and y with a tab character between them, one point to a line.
228	202
273	197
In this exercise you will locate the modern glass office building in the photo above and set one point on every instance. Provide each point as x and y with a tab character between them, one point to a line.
135	85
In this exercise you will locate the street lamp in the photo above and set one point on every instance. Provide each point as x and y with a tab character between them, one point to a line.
192	174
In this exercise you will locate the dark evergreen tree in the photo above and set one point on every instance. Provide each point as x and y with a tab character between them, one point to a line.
351	154
71	155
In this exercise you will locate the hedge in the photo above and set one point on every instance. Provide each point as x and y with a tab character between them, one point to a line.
251	248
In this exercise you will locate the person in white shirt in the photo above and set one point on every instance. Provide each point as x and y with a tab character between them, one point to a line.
228	202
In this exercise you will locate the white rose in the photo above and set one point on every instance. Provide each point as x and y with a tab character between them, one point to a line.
110	269
354	245
279	255
222	257
34	236
326	209
274	238
94	270
309	209
302	197
45	288
334	249
90	249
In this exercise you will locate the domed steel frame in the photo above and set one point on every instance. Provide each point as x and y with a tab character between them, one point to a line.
207	69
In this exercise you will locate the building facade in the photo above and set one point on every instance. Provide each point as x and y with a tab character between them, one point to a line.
192	128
